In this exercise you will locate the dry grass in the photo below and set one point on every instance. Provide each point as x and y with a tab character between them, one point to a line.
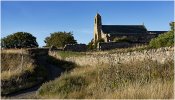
11	64
15	51
154	90
16	73
132	80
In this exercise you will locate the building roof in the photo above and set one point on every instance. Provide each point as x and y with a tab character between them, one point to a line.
156	32
124	29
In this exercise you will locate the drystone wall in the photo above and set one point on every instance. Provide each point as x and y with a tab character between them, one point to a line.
75	47
160	55
112	45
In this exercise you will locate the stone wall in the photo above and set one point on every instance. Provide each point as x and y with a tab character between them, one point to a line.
112	45
160	55
75	47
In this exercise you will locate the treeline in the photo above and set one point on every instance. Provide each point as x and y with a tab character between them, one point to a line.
27	40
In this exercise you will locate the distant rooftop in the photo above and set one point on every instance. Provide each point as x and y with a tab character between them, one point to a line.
157	32
128	29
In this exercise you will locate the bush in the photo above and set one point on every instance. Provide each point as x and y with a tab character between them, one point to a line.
163	40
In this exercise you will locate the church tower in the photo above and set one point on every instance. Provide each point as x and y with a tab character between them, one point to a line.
97	28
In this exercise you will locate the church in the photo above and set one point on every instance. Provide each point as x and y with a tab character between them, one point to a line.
133	33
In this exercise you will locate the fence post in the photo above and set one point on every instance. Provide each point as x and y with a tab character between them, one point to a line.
22	58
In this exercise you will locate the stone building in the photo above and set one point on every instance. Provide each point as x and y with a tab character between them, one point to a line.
134	33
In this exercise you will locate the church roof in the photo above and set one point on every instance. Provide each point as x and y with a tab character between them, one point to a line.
119	29
157	32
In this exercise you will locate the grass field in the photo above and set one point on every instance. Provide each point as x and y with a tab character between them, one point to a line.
133	80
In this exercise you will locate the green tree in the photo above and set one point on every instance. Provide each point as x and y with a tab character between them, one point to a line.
59	39
19	40
172	26
163	40
90	45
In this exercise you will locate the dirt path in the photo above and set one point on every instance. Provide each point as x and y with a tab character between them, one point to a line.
30	93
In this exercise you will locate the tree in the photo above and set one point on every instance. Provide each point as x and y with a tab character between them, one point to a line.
19	40
163	40
59	39
90	45
172	26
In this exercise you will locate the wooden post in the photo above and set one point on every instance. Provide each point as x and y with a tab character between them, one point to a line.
22	58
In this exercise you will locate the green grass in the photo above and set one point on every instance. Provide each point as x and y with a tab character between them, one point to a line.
65	86
130	49
65	54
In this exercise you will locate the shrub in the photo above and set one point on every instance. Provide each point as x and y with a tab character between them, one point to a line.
163	40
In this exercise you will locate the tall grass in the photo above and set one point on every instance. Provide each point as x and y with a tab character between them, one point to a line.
17	74
132	80
11	65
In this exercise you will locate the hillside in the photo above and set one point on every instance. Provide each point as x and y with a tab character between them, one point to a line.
137	74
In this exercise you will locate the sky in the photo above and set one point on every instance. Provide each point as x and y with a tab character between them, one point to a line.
40	18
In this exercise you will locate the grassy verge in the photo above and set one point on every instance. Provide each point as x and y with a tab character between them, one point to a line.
133	80
19	73
61	63
65	54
